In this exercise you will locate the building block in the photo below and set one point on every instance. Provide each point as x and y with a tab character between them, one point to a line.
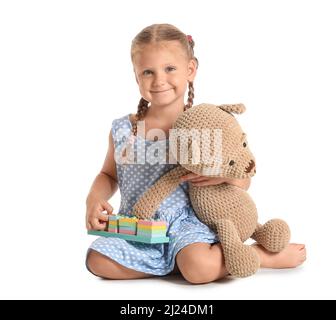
128	225
134	229
129	237
113	225
151	228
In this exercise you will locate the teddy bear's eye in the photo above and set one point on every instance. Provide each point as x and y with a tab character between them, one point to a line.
231	163
244	144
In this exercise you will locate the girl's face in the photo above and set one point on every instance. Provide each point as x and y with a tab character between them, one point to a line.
162	72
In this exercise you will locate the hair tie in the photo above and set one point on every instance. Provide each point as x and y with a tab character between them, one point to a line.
189	38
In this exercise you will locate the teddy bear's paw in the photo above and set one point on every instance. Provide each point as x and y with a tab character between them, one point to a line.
274	235
243	262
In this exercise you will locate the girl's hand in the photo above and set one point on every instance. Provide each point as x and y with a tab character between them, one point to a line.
95	218
200	181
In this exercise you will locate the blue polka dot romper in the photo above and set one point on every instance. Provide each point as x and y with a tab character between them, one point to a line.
134	179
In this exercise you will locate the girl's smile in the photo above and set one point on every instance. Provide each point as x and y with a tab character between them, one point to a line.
161	91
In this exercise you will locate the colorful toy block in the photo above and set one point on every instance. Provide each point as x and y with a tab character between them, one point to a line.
134	229
151	228
128	225
113	223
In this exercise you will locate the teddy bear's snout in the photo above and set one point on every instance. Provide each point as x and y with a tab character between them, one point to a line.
250	166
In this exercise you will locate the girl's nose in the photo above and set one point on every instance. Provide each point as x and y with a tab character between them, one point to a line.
159	80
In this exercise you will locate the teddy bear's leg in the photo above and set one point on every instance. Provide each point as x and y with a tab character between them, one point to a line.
274	235
240	260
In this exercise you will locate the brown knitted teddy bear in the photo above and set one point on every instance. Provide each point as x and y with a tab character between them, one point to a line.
208	141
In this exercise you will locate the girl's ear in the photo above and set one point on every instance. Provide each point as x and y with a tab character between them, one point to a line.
192	68
233	108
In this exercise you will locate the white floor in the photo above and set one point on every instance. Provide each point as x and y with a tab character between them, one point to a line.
49	277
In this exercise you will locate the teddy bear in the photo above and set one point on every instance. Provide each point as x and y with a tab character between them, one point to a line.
208	140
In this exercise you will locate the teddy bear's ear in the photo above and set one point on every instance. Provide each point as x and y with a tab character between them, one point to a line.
233	108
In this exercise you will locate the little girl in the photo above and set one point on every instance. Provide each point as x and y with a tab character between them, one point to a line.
164	66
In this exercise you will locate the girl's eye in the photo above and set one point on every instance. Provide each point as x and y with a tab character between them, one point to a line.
244	144
147	72
171	68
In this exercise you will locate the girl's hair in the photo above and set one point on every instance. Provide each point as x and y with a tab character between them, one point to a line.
153	34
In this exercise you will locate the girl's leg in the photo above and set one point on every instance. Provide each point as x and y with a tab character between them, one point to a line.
106	268
203	262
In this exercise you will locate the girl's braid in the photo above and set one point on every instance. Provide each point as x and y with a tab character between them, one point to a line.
190	96
142	110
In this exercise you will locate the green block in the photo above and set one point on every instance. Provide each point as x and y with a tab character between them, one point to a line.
129	237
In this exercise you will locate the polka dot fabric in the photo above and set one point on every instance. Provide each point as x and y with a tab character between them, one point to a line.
134	179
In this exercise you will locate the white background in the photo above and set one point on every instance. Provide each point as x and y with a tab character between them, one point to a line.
65	74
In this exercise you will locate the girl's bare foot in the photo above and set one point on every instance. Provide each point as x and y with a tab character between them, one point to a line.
290	257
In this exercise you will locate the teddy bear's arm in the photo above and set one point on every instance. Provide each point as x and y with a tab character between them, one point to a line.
146	206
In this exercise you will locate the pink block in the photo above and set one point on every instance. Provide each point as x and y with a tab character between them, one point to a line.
127	232
152	223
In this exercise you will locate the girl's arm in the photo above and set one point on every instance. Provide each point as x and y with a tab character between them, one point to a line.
241	183
103	188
